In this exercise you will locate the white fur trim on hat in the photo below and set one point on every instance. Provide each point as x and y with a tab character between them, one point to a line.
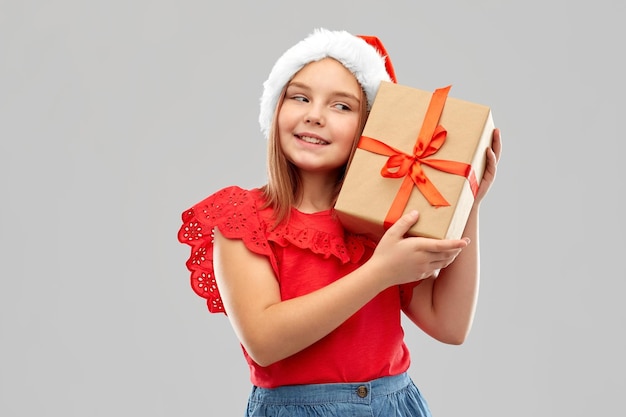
360	58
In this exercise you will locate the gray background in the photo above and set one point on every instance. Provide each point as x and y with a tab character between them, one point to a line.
115	116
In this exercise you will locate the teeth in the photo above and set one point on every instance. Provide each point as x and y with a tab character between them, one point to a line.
313	140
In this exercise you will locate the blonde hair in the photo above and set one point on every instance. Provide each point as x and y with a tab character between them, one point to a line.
284	186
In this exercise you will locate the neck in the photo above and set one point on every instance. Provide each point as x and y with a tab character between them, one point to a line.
318	193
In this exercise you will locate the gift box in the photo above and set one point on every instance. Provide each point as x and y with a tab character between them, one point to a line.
418	150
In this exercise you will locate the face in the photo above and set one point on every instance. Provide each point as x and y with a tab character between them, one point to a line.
319	117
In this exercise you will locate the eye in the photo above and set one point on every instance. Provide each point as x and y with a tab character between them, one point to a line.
342	106
300	98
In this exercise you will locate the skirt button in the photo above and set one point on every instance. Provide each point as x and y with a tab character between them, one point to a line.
361	391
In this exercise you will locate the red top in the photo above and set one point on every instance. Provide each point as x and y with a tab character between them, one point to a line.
309	252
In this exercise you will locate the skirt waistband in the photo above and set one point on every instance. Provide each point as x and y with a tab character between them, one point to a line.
354	392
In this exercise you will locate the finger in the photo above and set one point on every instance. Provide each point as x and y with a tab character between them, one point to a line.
443	264
492	162
496	144
446	257
441	247
403	224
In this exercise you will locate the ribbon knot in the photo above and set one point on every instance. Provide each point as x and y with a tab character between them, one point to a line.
400	164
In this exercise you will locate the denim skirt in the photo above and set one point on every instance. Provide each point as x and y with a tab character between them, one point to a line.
393	396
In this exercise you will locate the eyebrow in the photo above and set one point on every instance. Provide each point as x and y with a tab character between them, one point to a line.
337	93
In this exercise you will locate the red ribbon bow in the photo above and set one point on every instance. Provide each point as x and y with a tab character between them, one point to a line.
399	164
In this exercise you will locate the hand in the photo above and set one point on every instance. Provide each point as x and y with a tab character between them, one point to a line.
408	259
493	156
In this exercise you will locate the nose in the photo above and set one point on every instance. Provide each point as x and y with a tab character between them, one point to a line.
314	116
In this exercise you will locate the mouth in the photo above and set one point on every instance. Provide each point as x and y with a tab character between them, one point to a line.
312	139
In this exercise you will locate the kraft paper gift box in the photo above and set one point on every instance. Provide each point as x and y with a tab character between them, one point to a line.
418	150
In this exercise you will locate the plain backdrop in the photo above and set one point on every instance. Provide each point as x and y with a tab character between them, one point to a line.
116	116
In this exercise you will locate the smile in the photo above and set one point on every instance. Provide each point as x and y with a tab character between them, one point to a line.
309	139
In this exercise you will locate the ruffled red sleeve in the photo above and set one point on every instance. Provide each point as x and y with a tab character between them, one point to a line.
234	211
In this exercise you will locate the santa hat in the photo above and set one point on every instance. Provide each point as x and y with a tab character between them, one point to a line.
364	56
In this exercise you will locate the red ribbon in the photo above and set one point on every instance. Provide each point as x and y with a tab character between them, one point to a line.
399	164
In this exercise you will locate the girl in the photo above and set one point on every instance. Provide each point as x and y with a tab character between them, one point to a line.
316	308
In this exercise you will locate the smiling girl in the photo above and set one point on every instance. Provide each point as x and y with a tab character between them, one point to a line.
317	309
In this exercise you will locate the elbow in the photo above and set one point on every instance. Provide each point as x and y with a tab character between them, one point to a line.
263	354
261	359
456	340
263	342
453	336
455	332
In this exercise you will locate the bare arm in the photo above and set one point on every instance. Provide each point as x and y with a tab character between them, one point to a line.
271	329
444	306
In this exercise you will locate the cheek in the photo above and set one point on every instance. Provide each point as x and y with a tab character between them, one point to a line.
350	131
287	113
280	120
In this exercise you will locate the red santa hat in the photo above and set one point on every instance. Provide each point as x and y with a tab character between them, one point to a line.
363	56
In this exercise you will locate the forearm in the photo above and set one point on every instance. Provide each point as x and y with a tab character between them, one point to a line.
287	327
444	307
